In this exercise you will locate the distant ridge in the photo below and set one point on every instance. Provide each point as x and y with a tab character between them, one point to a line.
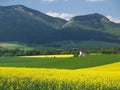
25	25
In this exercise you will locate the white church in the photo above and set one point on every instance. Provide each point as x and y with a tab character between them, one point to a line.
81	53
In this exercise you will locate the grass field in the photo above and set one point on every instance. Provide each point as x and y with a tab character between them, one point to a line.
15	46
58	63
100	72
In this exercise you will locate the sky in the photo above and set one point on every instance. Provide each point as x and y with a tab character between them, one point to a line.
69	8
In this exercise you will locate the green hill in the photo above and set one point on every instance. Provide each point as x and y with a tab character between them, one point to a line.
24	25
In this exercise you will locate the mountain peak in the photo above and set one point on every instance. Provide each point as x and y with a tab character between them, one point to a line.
19	5
90	17
25	25
20	11
19	8
91	21
22	8
97	14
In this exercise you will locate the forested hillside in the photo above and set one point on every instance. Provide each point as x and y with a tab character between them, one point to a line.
24	25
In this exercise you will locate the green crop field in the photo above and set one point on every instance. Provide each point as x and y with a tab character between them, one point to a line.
59	63
13	46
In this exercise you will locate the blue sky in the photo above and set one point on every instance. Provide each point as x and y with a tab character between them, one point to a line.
69	8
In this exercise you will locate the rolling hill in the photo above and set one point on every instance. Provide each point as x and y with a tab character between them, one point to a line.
24	25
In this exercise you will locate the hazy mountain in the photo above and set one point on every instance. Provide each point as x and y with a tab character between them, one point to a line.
95	22
19	23
25	25
90	22
92	27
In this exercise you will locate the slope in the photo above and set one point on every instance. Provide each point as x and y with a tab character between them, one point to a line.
22	24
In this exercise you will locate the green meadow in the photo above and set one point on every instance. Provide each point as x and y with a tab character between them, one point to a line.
12	46
60	63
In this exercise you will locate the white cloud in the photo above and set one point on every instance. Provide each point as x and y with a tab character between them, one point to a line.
95	0
116	20
66	16
48	0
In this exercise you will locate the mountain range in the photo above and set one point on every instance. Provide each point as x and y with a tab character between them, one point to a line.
24	25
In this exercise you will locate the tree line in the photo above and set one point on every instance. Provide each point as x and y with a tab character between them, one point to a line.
75	51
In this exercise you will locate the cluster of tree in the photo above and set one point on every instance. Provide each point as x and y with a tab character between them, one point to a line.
103	50
18	52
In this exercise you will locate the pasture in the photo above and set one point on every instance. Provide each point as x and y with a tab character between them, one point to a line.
99	72
59	63
12	46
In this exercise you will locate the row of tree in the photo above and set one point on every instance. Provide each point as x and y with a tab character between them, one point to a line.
18	52
75	51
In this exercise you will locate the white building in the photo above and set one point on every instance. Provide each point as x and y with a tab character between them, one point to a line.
81	53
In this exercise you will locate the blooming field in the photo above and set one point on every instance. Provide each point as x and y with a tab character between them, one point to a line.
50	56
98	78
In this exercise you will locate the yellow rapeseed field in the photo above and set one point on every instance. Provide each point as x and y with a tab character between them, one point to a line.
50	56
98	78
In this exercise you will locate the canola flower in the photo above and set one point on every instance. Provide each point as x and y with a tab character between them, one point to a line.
50	56
98	78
